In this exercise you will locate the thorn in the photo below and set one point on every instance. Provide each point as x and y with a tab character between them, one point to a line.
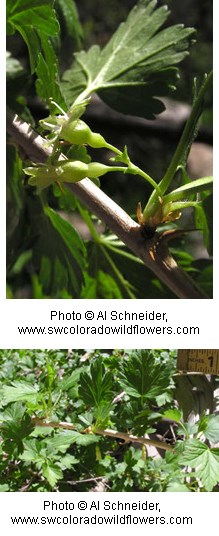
152	252
163	238
139	214
174	233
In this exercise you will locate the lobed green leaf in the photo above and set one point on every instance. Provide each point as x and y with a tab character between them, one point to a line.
209	426
52	473
67	11
47	70
38	14
142	377
96	386
136	65
204	460
19	391
59	253
33	20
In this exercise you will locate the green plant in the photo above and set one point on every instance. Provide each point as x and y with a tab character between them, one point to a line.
69	420
136	67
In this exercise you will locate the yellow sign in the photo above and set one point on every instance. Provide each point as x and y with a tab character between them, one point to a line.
203	361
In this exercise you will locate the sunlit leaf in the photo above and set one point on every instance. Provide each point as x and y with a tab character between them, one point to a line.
19	390
142	378
67	461
173	414
62	440
204	460
136	66
209	426
52	473
71	380
176	487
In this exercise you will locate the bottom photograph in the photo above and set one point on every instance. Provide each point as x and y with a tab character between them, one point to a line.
109	420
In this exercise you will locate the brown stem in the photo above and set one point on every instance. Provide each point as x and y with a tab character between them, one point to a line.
106	432
159	260
134	439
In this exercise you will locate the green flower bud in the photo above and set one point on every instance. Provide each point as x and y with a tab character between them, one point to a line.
65	171
79	133
41	176
95	169
71	171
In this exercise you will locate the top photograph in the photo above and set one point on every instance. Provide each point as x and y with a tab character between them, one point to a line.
109	149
